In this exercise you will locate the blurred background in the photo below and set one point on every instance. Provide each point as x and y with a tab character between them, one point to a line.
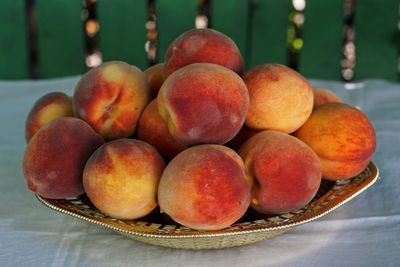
345	40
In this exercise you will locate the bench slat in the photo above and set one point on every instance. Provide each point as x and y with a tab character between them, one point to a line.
376	40
323	36
231	18
269	24
14	59
174	17
60	38
122	33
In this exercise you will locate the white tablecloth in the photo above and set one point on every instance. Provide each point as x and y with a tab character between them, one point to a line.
364	232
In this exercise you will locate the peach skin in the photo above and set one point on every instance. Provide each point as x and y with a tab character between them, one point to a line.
323	95
203	103
49	107
121	178
343	138
205	188
242	136
56	155
154	130
202	46
110	98
155	78
280	98
286	173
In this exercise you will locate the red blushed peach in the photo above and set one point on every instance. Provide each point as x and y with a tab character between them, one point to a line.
203	103
121	178
343	138
49	107
203	45
242	136
323	95
286	173
56	155
110	98
155	78
205	188
154	130
280	98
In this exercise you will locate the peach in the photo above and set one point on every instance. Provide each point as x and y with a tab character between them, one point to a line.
286	173
121	178
56	155
110	98
155	78
203	103
343	138
154	130
205	188
49	107
202	45
241	137
280	98
323	95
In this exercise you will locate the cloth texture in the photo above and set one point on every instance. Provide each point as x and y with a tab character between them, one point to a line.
363	232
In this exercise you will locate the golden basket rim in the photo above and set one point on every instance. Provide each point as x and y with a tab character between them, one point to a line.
365	184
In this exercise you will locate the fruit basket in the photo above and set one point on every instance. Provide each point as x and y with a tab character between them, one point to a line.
330	196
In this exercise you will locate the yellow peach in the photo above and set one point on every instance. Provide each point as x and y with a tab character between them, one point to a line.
110	98
121	178
49	107
280	98
323	95
343	138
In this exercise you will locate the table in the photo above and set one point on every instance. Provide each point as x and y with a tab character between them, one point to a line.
364	232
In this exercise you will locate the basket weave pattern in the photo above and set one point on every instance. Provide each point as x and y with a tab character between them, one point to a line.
330	196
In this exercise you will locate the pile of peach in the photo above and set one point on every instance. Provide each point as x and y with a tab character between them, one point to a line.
195	136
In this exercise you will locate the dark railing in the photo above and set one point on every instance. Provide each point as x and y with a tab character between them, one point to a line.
330	39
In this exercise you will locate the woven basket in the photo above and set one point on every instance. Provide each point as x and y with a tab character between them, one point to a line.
330	196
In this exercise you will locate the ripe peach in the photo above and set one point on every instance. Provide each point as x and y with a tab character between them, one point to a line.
241	137
286	172
155	78
280	98
343	138
110	98
323	95
205	188
56	155
154	130
203	103
121	178
49	107
202	45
